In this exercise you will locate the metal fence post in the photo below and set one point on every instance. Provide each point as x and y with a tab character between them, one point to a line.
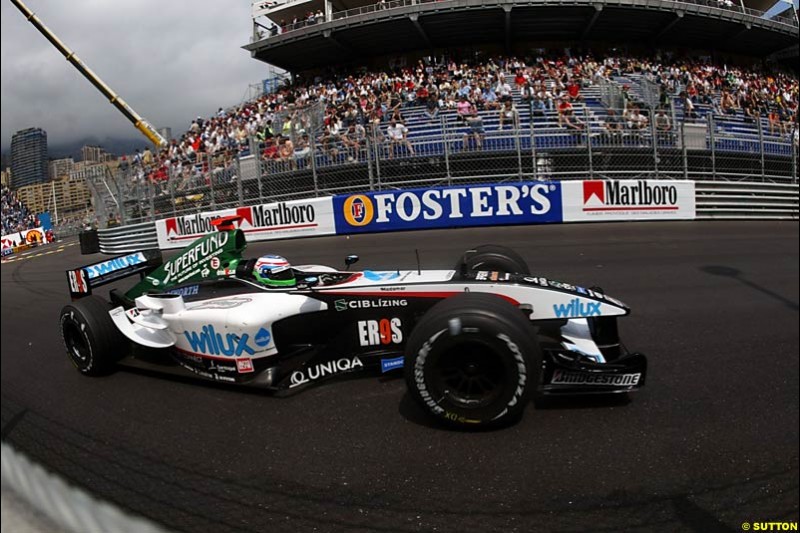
239	187
445	137
150	186
794	153
368	151
171	187
210	174
761	147
255	150
713	141
377	148
683	149
654	137
123	216
533	145
313	155
518	145
588	142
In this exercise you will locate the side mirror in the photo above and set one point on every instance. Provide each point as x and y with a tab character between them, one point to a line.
350	260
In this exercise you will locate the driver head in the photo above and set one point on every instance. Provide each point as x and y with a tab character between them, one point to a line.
274	271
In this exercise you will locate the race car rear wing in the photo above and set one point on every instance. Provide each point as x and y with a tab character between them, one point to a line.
82	280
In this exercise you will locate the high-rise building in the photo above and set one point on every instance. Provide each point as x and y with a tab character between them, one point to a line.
166	133
28	157
93	154
61	167
64	195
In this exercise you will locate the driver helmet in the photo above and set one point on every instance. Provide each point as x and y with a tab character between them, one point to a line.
274	271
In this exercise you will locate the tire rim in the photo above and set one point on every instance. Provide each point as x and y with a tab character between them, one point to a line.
470	374
76	344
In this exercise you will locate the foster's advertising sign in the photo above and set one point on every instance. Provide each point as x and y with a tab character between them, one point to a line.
447	207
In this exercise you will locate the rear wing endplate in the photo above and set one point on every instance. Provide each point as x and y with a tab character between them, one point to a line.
82	280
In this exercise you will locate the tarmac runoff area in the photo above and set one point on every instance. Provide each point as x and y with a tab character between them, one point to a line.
711	441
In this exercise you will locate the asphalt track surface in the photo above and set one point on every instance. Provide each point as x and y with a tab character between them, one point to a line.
711	442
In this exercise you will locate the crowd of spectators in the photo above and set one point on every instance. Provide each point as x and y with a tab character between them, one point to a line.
727	91
15	214
338	112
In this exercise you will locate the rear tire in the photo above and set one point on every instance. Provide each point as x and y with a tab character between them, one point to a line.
494	257
473	361
93	342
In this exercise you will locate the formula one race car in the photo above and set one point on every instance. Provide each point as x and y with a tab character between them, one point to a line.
475	342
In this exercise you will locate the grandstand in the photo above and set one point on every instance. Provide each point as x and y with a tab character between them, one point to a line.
474	114
15	214
353	31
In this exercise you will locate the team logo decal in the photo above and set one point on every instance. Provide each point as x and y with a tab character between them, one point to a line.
377	332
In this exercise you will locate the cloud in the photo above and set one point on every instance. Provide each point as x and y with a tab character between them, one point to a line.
170	61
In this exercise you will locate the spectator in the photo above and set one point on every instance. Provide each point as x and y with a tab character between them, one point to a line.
775	123
286	151
354	140
727	103
509	113
564	107
147	158
688	107
542	100
626	96
574	91
432	109
475	131
519	79
637	123
568	118
270	150
613	128
464	108
526	93
663	126
489	98
397	133
503	89
302	149
664	98
15	214
330	142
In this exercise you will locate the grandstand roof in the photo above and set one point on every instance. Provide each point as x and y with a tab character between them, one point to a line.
408	25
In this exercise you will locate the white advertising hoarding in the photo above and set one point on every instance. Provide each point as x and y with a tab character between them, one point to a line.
22	237
281	220
610	200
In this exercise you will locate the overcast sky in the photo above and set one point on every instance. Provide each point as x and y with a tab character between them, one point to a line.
169	60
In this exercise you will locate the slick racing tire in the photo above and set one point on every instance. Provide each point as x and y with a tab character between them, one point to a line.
93	342
494	257
473	361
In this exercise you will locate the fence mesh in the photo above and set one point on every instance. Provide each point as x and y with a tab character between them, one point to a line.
590	141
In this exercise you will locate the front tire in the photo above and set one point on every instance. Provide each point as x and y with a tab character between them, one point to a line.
93	342
494	257
473	361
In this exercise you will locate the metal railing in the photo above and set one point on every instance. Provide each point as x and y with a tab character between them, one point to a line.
720	200
721	6
446	149
128	238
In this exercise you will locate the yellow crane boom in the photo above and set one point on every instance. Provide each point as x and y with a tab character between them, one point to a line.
141	124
